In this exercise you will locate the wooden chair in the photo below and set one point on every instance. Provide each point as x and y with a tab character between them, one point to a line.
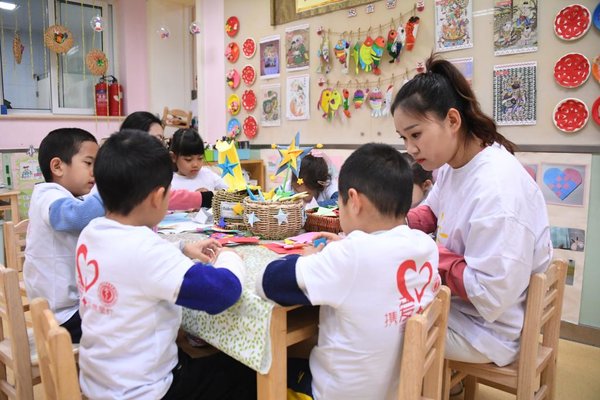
57	362
15	352
421	369
14	249
532	375
177	118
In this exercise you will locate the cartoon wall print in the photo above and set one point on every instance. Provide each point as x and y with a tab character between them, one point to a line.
453	25
269	57
567	238
297	52
270	105
465	66
563	184
514	94
515	26
297	103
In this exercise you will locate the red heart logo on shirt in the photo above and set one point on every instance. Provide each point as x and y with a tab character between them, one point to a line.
407	271
83	262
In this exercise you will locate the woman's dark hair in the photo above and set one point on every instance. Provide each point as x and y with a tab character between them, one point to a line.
441	88
186	142
314	171
140	120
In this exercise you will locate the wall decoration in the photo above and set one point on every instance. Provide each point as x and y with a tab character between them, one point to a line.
306	5
323	52
234	128
232	26
567	238
341	51
514	94
194	28
269	57
96	62
596	68
515	26
570	115
562	184
297	104
248	75
270	104
249	100
531	170
596	17
232	52
97	23
453	25
297	47
163	32
233	78
572	70
249	47
58	39
572	22
596	111
17	48
250	127
283	11
233	104
465	66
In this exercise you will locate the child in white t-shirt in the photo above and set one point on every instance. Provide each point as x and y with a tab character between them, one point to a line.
57	214
187	153
315	178
422	181
133	283
367	284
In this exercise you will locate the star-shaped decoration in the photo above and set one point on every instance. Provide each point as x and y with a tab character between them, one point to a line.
238	209
300	181
292	155
281	217
222	223
227	167
252	219
269	195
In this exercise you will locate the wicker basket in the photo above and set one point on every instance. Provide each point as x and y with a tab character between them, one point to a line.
222	203
321	223
267	226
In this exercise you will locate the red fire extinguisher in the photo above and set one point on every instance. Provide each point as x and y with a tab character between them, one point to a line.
109	97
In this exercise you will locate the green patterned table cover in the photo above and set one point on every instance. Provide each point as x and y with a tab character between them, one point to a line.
242	331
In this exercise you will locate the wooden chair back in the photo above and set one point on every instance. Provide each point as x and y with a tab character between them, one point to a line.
14	243
177	118
421	369
15	352
57	361
532	375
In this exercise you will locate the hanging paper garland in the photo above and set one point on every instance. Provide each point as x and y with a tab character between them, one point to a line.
96	62
572	22
572	70
570	115
58	39
17	48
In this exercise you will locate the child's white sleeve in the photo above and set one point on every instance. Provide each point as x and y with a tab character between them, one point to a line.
233	262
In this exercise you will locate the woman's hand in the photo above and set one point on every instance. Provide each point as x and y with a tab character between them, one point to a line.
204	250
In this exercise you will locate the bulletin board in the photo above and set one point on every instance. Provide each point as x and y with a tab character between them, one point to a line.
374	18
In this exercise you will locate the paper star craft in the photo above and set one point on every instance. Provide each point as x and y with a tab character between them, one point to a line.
300	181
252	219
238	209
227	167
281	217
292	155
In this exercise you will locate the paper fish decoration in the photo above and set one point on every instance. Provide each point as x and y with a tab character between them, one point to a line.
387	102
355	55
412	27
364	55
324	100
395	47
323	54
375	100
346	102
376	53
335	103
358	98
229	161
341	51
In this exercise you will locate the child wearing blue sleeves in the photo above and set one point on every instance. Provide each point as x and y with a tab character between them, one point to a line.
367	284
57	214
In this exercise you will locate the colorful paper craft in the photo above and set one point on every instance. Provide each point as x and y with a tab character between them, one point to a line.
562	182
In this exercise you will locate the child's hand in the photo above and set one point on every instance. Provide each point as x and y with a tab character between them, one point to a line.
308	250
202	189
204	250
328	236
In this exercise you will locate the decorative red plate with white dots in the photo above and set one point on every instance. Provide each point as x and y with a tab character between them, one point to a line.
596	111
570	115
572	22
572	70
248	75
249	100
232	26
249	47
250	127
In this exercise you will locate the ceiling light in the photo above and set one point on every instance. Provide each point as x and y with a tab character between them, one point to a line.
7	6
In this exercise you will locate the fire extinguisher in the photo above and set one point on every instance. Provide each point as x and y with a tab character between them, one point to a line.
109	97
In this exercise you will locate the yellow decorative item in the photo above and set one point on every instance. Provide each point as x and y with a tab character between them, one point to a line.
238	209
319	145
17	48
300	181
58	39
229	162
96	62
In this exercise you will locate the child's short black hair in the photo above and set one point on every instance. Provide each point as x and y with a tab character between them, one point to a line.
141	120
314	171
420	175
63	143
187	142
128	167
379	172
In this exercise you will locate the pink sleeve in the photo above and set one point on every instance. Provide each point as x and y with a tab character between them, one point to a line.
184	200
422	218
451	268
